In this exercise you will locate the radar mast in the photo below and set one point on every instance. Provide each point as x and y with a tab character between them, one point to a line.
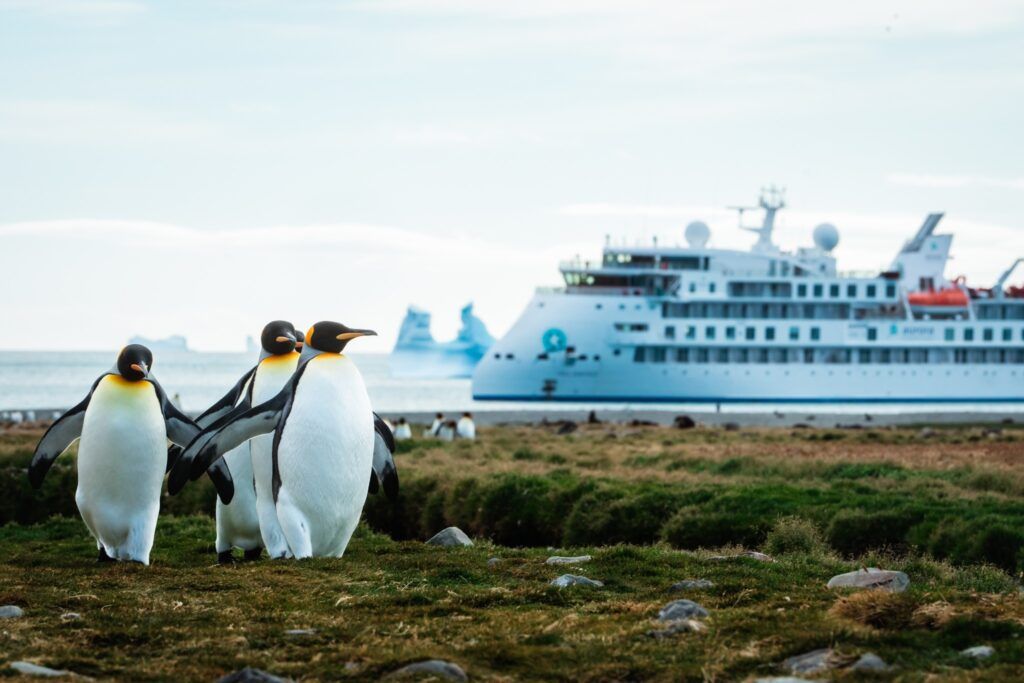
772	199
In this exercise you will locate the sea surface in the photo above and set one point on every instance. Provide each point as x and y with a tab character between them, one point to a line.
35	380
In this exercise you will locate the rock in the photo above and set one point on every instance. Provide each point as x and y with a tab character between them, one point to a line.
979	652
872	578
30	669
567	427
557	559
681	626
869	662
926	433
683	422
11	612
453	536
642	423
592	418
810	662
434	667
493	562
251	675
566	580
691	585
731	426
679	610
300	632
70	616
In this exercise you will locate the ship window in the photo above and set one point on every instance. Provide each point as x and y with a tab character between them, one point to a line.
851	291
509	356
702	355
711	287
709	332
691	332
950	333
583	356
693	287
863	356
987	334
808	355
617	352
659	354
794	333
815	333
1007	334
751	332
872	334
598	306
801	290
769	334
872	291
682	355
818	291
542	356
890	291
833	291
638	354
730	333
670	332
597	357
497	356
968	334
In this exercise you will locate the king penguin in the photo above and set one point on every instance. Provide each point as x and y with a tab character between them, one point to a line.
249	521
124	424
324	438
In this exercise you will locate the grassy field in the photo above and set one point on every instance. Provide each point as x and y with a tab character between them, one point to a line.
641	500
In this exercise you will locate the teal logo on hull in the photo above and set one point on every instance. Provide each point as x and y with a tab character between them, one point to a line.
554	340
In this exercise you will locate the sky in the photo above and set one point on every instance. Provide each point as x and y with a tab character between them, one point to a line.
201	167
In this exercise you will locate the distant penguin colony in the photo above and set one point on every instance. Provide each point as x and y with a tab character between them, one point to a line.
293	449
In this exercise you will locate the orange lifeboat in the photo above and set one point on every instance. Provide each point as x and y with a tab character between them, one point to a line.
948	296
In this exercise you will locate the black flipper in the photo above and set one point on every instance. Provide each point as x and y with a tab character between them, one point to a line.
384	471
58	437
220	475
173	453
227	402
180	427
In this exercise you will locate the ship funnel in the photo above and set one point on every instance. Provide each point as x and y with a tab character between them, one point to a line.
697	234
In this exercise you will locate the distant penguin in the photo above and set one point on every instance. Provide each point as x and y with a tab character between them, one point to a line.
124	424
465	428
253	459
249	522
323	445
435	425
446	431
402	430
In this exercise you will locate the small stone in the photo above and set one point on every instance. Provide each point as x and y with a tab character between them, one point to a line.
682	626
493	562
679	610
926	433
684	422
251	675
979	652
691	585
731	426
869	662
70	616
300	632
567	427
810	662
872	578
30	669
11	612
558	559
566	580
434	667
451	537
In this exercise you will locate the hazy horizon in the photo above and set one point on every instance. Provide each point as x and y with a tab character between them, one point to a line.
199	168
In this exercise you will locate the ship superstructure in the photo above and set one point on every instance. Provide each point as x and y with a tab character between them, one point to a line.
696	323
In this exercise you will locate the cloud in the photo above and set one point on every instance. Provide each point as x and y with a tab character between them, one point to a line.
86	9
953	181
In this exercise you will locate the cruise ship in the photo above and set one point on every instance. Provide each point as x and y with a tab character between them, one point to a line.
698	324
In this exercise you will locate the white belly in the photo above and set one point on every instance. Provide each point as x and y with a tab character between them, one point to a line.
121	461
326	452
238	525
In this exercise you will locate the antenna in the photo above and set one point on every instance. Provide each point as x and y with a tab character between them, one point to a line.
771	200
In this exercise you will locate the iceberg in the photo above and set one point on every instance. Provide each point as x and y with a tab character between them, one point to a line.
174	344
418	354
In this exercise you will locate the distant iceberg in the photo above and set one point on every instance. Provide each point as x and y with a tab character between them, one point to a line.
174	343
418	354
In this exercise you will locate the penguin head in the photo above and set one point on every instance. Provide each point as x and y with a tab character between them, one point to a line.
134	362
331	337
278	338
300	340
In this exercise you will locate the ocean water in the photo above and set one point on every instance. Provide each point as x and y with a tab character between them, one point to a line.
33	380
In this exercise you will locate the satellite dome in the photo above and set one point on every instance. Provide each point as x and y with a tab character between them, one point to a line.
826	237
697	234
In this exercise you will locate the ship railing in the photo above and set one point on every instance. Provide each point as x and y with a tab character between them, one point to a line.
550	290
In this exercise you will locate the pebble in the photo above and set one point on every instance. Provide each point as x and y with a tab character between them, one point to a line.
435	667
810	662
453	536
682	626
691	584
869	662
979	651
558	559
70	616
251	675
300	632
11	612
566	580
679	610
873	578
30	669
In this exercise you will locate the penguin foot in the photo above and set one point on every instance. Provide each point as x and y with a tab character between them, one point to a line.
253	554
225	557
103	557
